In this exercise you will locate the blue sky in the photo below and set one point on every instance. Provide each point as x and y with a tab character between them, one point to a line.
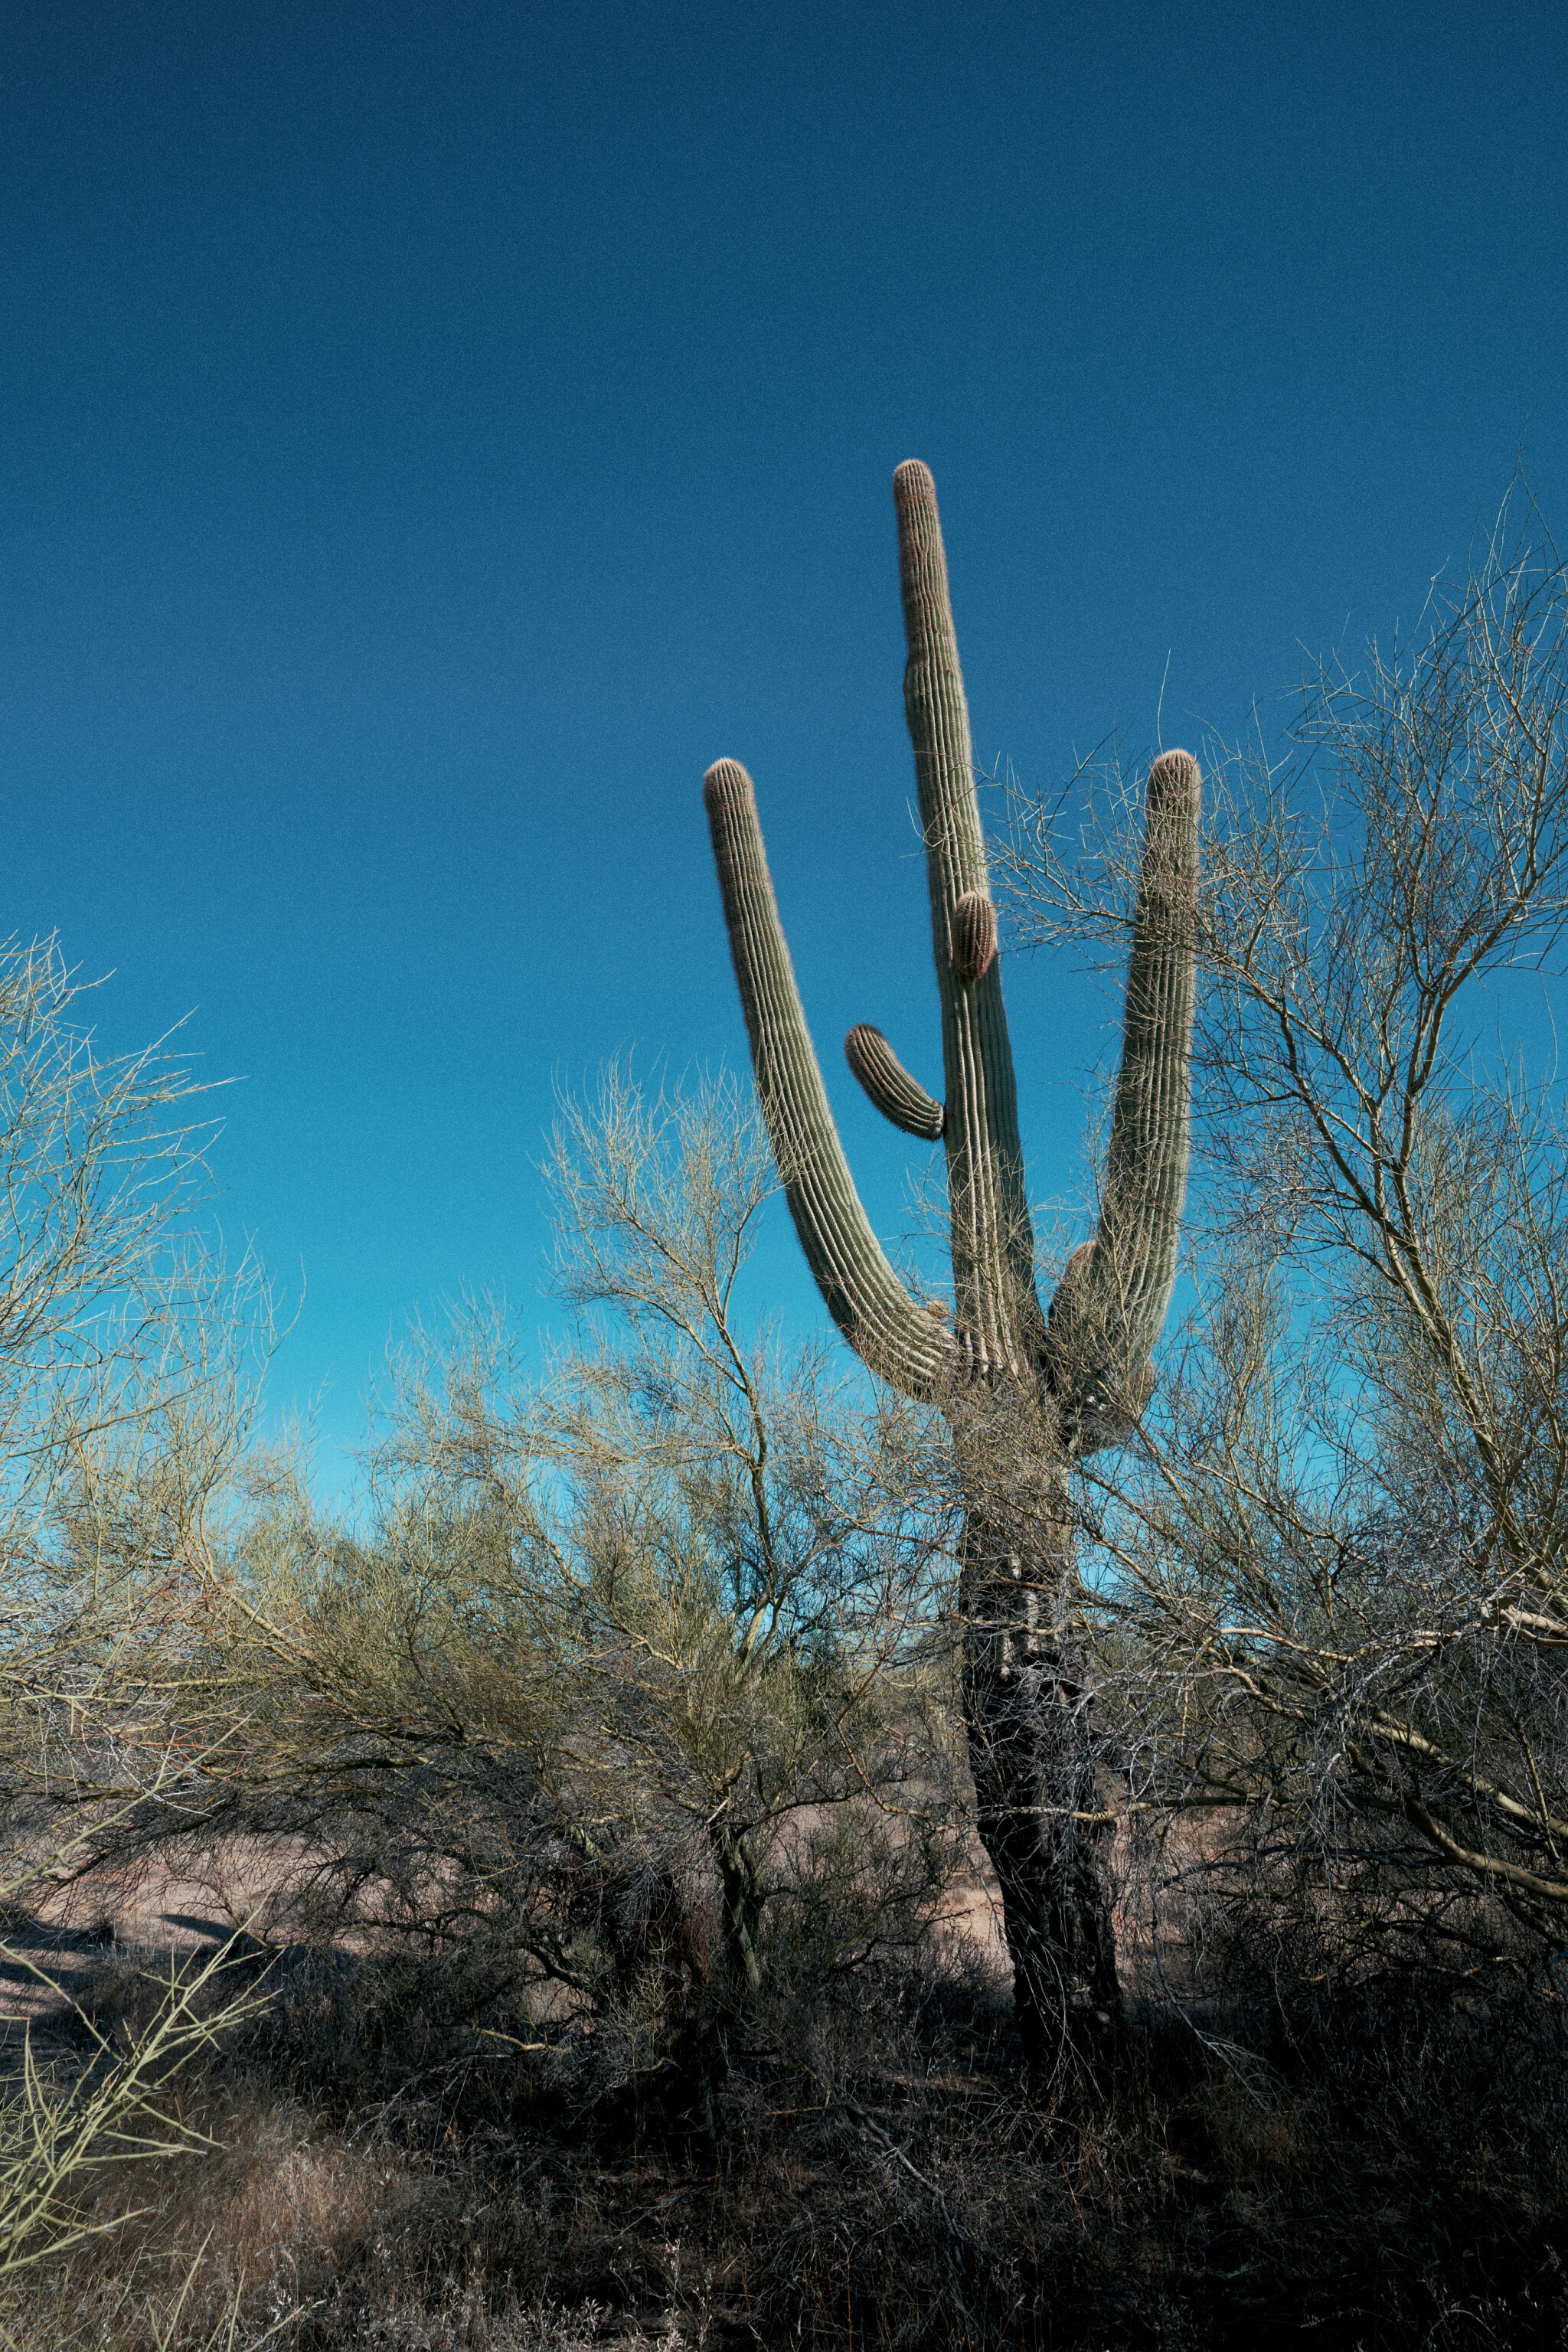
433	433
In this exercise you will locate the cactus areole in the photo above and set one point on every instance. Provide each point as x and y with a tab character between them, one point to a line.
1086	1363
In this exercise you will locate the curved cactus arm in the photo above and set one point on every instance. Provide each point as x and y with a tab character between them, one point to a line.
896	1337
1113	1298
897	1095
997	1309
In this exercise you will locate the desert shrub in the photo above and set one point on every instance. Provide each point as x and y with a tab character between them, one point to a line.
124	1346
624	1706
1325	1585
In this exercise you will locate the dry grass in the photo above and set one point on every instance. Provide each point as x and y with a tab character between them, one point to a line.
297	2230
1362	2165
1380	2175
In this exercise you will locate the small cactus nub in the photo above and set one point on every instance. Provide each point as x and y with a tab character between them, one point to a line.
972	936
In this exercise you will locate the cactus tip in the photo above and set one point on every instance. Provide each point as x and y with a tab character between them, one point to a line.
1173	781
1078	1265
725	781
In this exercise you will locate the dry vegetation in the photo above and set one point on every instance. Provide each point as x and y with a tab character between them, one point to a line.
1383	2166
606	1960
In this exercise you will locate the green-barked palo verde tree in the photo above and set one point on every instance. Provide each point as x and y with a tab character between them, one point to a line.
1024	1391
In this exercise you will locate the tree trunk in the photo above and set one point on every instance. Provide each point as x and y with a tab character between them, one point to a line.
742	1887
1032	1749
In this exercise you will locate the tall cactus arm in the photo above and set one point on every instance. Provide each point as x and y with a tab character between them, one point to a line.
997	1309
1112	1304
865	1297
897	1095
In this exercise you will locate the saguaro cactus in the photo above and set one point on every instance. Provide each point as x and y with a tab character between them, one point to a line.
1082	1370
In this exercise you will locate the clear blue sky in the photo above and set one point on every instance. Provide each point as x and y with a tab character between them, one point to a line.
433	435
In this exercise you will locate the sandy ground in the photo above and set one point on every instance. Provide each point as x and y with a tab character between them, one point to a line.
50	1953
157	1915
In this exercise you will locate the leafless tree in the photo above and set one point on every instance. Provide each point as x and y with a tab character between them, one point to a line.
115	1310
120	1349
96	1158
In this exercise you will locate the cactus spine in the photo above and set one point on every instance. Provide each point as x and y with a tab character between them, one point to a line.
1085	1365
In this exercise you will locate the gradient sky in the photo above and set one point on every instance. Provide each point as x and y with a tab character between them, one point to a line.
433	433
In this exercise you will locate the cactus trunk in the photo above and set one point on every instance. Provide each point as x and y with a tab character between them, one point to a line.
1082	1373
1034	1749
